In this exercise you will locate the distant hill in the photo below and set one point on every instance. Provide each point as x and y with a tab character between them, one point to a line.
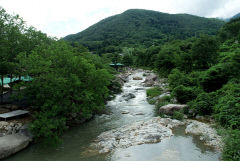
145	27
236	16
231	18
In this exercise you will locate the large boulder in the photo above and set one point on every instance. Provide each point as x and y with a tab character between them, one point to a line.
170	108
151	77
11	144
150	80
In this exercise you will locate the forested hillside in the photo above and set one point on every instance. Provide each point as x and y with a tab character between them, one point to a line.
137	27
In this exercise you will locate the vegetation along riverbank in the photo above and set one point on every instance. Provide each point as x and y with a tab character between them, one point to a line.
191	71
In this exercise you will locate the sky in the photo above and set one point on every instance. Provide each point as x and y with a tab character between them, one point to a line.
59	18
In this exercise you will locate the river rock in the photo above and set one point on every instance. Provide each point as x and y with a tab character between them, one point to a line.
206	133
9	128
149	83
142	132
139	113
170	108
125	112
137	78
10	144
138	89
159	98
128	96
150	80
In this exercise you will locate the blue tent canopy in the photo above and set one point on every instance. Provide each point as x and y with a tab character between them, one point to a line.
7	80
117	64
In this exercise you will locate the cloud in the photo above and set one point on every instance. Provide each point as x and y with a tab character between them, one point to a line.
62	17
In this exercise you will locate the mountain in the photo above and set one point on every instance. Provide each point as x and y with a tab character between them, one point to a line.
145	27
235	16
231	18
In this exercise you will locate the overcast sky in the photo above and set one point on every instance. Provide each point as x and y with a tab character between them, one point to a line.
62	17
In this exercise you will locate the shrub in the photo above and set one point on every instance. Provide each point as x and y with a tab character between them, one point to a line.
176	78
231	150
215	77
227	109
178	115
185	94
203	104
153	92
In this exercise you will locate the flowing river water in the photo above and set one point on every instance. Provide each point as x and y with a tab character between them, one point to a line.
76	141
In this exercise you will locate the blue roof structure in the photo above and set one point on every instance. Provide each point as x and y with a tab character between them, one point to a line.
7	80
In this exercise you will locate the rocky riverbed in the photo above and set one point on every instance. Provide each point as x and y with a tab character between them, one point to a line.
142	132
156	129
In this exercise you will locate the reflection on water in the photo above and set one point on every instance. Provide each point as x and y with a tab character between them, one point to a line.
76	141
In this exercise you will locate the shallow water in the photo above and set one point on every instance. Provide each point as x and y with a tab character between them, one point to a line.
76	141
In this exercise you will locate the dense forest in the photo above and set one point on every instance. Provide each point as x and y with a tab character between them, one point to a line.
199	56
137	27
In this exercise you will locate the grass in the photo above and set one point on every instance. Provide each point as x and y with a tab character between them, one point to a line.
153	92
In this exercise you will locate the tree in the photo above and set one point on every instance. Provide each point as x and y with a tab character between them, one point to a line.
204	52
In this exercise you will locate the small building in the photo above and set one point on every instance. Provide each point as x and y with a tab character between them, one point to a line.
117	65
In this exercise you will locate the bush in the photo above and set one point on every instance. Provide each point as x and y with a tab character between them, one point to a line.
177	78
153	92
215	77
231	150
227	109
185	94
178	115
203	104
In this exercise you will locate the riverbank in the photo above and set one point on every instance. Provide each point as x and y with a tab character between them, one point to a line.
156	129
130	118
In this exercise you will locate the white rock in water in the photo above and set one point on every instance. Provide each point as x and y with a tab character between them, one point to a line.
142	132
206	133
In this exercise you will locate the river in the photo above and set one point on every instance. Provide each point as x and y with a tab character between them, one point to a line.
76	141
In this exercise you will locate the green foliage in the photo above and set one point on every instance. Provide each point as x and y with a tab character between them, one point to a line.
215	77
142	27
185	94
230	30
127	60
153	92
203	104
178	115
204	52
231	151
165	59
177	78
64	83
227	109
